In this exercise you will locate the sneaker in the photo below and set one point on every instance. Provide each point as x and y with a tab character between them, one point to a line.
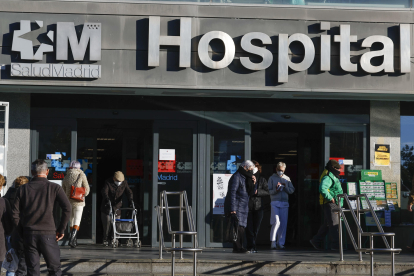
253	250
241	251
273	245
105	243
314	245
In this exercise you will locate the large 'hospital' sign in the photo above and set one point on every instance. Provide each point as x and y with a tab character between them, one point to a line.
183	41
65	36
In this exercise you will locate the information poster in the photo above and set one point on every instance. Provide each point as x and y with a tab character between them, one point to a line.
220	184
167	154
375	190
392	195
382	155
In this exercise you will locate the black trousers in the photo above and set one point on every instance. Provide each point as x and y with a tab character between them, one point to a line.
330	225
238	244
36	244
107	226
253	225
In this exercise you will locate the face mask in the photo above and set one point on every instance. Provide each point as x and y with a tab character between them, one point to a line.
280	173
118	182
255	170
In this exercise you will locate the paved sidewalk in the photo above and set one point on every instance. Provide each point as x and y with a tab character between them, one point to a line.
99	260
214	254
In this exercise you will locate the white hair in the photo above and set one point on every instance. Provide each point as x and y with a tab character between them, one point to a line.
75	164
281	165
247	164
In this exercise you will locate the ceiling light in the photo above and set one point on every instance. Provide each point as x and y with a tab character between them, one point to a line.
293	151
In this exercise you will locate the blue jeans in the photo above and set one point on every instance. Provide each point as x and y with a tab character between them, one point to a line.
8	246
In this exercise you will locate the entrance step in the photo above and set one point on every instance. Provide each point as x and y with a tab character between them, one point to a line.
155	267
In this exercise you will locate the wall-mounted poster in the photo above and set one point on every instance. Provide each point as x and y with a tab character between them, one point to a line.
220	184
167	154
382	155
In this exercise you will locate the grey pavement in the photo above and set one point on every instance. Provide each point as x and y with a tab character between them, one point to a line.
214	254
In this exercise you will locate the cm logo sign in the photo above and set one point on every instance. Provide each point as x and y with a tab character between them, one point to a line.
65	36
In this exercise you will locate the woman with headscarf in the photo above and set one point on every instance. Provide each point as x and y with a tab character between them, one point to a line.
329	189
241	187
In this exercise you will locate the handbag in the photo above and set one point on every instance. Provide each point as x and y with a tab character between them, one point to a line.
77	193
232	229
11	261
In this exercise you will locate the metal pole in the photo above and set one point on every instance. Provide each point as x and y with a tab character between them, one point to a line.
162	218
392	257
371	241
358	229
181	223
341	249
194	257
173	255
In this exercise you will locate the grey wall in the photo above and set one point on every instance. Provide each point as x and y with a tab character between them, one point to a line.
18	155
125	39
385	128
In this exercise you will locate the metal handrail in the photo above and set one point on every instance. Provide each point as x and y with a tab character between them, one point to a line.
184	207
371	235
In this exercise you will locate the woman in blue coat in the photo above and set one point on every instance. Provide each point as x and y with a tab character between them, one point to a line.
241	187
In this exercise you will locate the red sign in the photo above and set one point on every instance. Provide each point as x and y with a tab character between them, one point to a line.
134	167
341	162
167	166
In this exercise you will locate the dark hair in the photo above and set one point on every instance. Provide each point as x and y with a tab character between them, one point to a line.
39	166
257	165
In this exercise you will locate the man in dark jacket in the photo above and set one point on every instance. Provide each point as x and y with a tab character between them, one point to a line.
112	192
241	187
33	209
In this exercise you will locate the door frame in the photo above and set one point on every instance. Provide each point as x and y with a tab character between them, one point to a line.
207	191
155	196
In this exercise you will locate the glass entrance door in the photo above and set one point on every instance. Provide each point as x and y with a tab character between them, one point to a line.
175	169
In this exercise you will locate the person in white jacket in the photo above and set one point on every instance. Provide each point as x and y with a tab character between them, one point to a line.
76	177
280	187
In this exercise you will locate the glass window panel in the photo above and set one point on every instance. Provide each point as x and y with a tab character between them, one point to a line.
85	157
226	154
407	166
348	145
176	174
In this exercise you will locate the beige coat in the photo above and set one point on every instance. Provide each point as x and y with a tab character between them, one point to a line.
70	179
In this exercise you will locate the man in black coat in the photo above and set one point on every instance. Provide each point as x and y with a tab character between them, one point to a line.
112	192
33	209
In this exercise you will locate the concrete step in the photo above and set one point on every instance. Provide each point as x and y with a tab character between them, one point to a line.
155	267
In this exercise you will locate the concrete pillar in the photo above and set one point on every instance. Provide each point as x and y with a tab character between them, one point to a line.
18	155
385	128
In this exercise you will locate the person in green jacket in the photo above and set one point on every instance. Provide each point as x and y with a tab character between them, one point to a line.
329	188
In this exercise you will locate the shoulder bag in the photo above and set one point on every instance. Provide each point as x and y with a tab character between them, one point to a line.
77	193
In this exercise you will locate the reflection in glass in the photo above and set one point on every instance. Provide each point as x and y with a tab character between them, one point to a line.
176	174
226	154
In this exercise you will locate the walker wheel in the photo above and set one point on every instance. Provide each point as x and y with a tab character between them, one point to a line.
115	244
130	243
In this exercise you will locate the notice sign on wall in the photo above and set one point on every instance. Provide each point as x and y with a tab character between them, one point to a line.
220	184
382	155
167	154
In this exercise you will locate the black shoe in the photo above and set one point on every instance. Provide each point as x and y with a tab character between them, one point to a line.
72	240
314	245
253	250
242	251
